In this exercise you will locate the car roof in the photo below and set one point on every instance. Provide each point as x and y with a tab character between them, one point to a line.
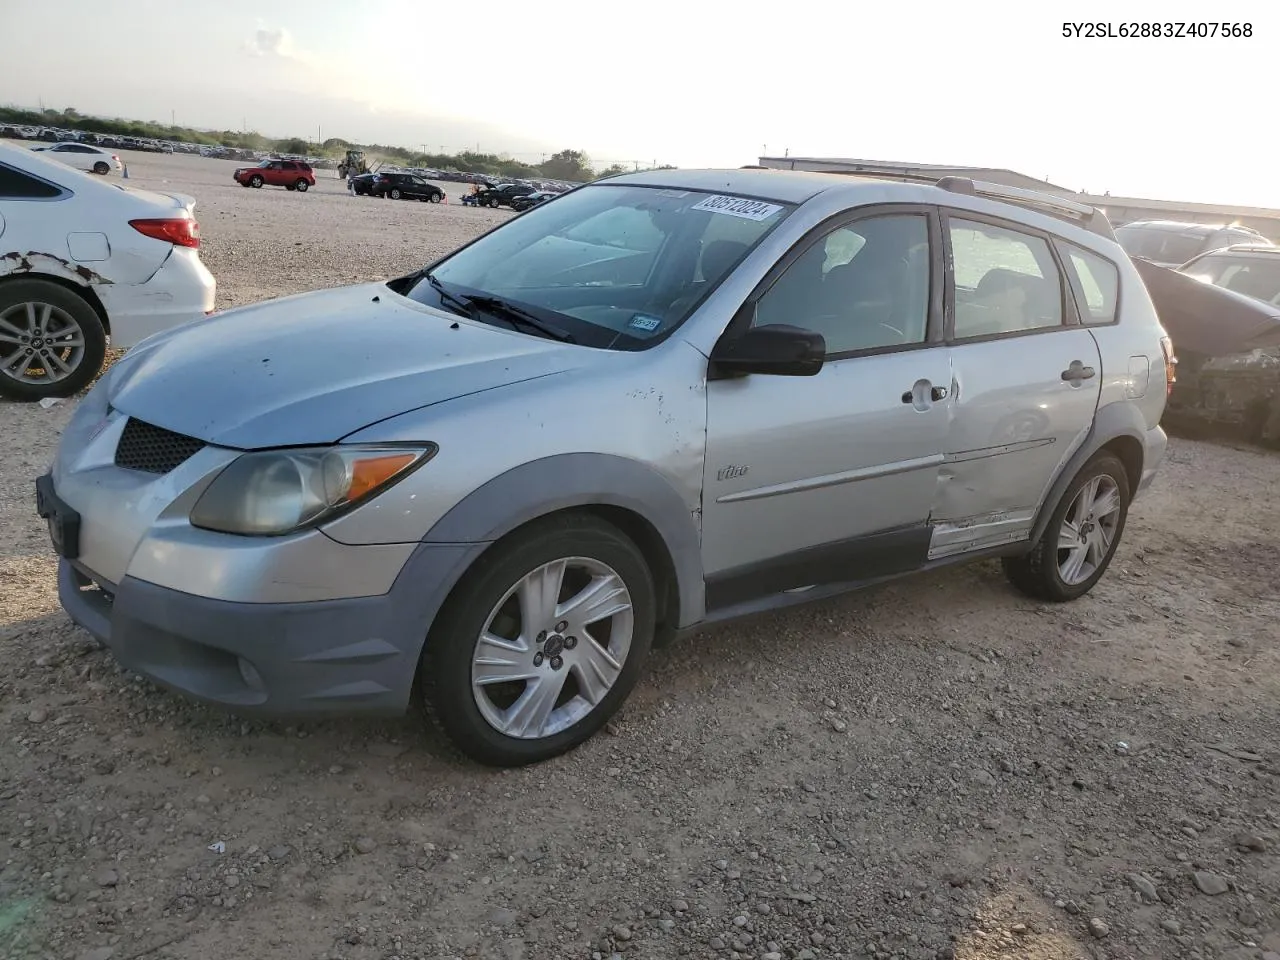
1197	229
1261	249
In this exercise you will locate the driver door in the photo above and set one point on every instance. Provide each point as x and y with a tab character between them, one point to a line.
831	478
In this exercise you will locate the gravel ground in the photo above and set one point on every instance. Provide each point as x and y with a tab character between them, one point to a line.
936	768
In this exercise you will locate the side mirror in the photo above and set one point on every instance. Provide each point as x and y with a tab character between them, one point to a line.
777	348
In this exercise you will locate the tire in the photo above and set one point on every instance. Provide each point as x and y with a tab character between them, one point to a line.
256	182
301	186
101	168
485	602
436	197
1040	573
68	311
395	194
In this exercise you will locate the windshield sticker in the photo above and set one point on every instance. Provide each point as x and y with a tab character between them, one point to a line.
674	194
642	321
737	207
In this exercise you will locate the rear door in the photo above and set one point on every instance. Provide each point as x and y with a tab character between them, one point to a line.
1026	376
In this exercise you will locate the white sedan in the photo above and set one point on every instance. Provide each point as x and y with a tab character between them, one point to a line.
82	157
84	262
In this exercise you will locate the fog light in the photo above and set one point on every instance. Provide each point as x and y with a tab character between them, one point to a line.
249	673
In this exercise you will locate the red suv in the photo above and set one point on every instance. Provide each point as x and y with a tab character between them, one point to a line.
290	174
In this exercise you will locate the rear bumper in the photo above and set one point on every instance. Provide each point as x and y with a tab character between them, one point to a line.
351	656
1156	443
182	290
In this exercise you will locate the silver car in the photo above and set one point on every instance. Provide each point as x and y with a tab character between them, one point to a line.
647	405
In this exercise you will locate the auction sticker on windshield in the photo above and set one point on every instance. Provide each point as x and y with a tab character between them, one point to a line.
737	207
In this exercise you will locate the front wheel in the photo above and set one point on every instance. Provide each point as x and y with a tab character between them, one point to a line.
101	168
1081	537
541	642
301	186
255	181
437	197
51	341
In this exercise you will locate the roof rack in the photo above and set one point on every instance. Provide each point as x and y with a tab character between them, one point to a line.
1091	218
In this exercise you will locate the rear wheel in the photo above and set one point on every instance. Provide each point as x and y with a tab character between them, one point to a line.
1081	537
540	643
395	194
101	168
255	181
301	185
51	341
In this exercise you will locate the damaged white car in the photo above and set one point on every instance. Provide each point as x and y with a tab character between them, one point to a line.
83	263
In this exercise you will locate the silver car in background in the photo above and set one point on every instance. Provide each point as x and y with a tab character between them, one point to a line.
649	404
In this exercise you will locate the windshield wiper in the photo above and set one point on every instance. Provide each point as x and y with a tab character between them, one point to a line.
514	315
459	303
519	315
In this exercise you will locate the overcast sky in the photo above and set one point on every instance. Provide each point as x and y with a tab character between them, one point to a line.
691	83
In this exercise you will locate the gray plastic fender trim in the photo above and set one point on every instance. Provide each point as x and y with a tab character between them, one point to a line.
1112	421
546	486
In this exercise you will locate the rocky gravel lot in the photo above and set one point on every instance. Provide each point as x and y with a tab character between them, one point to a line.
938	768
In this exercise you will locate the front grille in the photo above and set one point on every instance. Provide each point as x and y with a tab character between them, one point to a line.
153	449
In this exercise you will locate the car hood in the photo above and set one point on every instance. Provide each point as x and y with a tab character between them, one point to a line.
313	368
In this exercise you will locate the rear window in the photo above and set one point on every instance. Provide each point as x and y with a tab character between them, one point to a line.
16	185
1160	244
1100	281
1255	276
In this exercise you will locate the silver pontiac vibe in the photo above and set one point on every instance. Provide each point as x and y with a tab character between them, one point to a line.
650	403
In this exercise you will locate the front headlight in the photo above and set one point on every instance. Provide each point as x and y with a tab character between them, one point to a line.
277	492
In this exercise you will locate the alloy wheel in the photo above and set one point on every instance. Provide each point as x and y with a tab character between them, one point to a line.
39	343
552	648
1088	530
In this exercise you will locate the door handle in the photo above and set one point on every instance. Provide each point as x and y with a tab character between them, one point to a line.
1077	372
922	389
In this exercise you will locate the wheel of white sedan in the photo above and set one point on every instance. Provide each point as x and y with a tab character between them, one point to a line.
541	641
51	341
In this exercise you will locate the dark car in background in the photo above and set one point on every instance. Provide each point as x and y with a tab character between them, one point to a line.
1170	243
1249	268
503	194
529	200
362	184
405	186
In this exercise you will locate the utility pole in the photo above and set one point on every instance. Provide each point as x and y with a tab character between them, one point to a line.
173	118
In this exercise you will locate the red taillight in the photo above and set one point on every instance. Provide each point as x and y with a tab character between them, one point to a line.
1170	364
182	231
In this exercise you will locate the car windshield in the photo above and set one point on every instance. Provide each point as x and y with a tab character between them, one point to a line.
1257	277
615	266
1161	244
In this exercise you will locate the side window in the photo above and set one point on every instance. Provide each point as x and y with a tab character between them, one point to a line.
862	286
1100	280
1005	281
16	185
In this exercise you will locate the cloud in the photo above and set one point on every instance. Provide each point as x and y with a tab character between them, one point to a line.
266	42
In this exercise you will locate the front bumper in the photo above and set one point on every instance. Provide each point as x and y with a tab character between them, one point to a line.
182	290
353	656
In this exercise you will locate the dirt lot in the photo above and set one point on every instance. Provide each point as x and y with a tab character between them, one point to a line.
933	769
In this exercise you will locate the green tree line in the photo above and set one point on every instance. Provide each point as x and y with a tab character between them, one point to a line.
566	165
